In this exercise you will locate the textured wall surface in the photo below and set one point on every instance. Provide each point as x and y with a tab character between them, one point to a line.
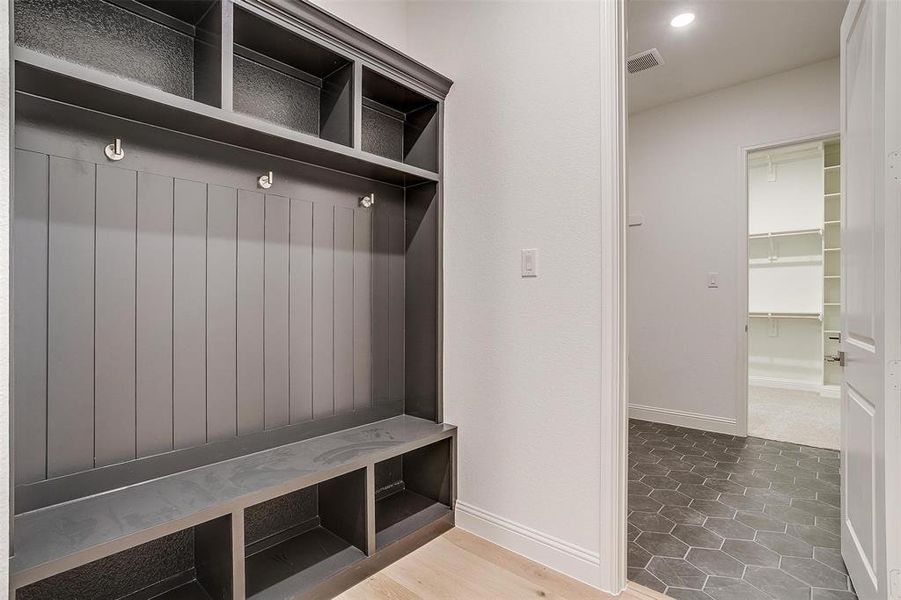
103	36
120	574
382	134
274	96
279	514
684	179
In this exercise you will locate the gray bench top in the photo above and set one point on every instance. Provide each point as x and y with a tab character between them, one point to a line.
61	537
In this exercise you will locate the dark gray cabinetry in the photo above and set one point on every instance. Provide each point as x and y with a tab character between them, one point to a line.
177	312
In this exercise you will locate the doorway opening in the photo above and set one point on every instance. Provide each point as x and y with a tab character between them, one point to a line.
794	292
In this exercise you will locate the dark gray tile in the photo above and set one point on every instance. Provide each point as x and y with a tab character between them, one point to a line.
675	464
660	482
639	489
778	459
712	508
814	536
642	577
817	508
670	498
818	485
773	476
697	536
635	475
749	480
730	528
831	525
699	461
651	522
676	572
701	492
833	478
651	468
750	553
643	504
662	544
715	562
833	499
725	588
831	557
768	496
632	532
789	514
638	557
683	514
686	594
687	477
741	502
777	583
760	521
821	594
725	486
666	452
814	573
784	544
793	490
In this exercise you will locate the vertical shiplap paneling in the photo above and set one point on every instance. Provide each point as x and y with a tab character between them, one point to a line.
221	315
250	311
275	313
380	262
189	314
323	310
301	311
114	328
30	315
396	300
362	308
154	314
70	335
344	310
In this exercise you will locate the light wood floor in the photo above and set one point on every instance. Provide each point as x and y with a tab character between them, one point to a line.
459	565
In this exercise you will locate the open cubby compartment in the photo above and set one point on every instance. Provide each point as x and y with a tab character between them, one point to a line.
286	79
832	290
832	208
832	181
832	235
832	264
191	564
298	540
399	123
832	155
832	318
411	491
169	45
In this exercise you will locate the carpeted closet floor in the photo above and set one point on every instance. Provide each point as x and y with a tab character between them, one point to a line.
720	517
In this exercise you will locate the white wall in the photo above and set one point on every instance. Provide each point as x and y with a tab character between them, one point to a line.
522	356
684	178
384	19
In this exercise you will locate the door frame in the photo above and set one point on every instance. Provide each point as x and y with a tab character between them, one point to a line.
744	271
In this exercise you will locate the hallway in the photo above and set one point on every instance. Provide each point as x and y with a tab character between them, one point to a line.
729	518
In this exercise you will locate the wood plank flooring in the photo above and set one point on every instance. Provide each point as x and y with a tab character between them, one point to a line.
462	566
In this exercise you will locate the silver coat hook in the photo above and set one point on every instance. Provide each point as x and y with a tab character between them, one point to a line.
368	201
114	151
265	181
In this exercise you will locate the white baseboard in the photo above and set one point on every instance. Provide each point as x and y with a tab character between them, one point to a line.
682	418
786	384
826	391
575	561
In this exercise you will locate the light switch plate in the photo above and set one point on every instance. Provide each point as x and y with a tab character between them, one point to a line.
529	265
713	280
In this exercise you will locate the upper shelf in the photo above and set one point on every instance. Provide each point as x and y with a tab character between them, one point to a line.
284	79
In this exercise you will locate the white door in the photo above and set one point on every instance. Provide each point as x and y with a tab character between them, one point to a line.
871	273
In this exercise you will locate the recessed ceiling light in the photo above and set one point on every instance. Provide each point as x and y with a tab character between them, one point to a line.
682	20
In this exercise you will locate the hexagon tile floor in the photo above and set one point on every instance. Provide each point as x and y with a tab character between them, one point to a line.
721	517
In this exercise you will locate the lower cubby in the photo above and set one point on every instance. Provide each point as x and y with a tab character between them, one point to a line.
295	541
191	564
412	491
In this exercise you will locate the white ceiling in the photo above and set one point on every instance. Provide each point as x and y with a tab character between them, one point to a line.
730	41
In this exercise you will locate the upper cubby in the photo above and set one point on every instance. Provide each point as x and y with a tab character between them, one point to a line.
399	123
170	45
289	80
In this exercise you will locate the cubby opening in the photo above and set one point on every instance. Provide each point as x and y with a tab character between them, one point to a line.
399	123
298	540
412	490
191	564
289	80
169	45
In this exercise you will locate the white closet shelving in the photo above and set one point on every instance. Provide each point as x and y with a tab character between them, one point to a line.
794	254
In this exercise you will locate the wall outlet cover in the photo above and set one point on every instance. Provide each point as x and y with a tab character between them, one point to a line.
529	266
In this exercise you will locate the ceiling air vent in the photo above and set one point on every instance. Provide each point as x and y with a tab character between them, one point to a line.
644	60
